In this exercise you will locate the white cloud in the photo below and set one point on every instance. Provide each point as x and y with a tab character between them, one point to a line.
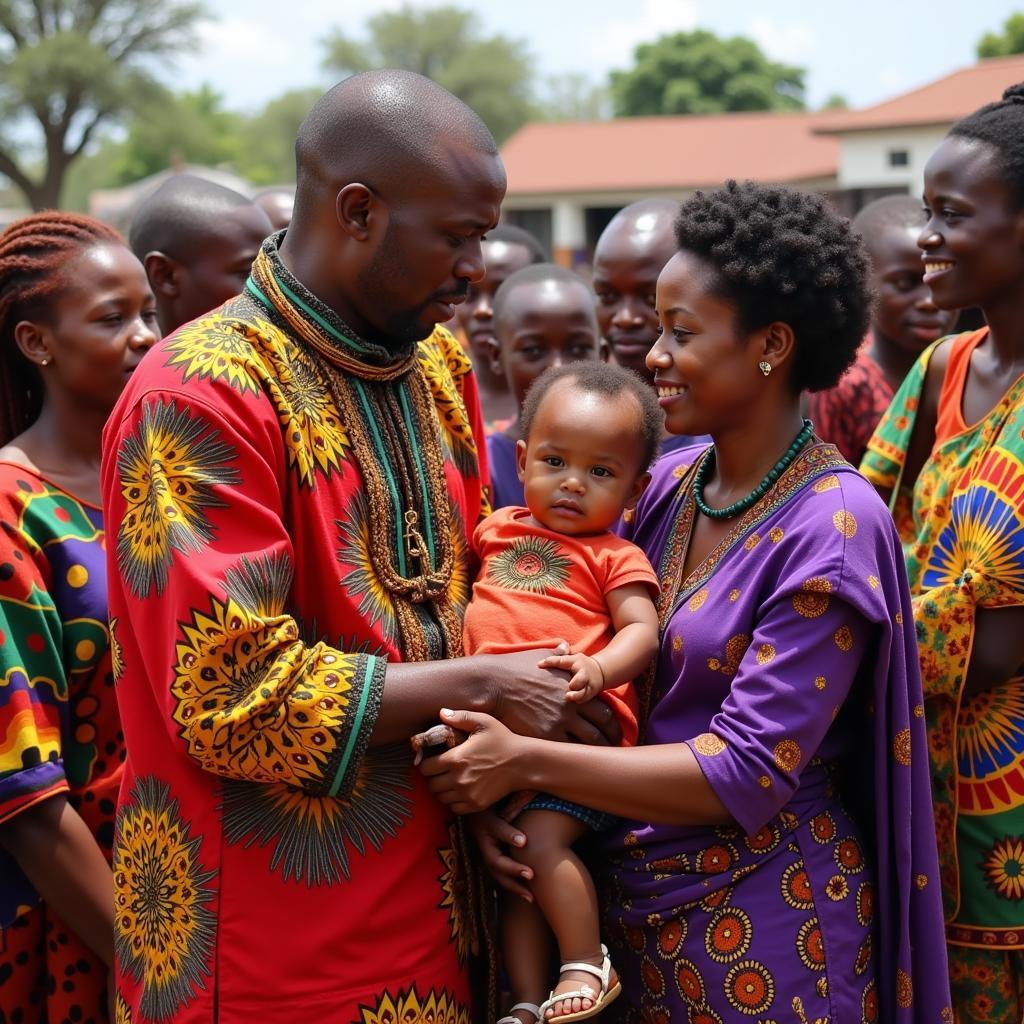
611	43
790	42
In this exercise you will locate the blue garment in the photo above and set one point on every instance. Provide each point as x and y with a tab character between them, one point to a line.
506	488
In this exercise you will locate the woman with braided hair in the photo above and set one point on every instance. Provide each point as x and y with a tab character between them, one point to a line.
950	456
76	316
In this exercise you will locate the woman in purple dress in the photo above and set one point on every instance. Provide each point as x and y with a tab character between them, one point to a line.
777	861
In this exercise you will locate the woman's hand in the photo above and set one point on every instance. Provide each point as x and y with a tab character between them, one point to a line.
494	836
479	772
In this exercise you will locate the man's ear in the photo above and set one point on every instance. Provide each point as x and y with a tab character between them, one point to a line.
164	274
355	207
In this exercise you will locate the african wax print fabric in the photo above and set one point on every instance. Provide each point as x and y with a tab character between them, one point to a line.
59	728
788	666
987	984
847	414
270	863
962	528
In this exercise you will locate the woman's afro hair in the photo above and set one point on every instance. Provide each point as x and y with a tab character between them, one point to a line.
785	256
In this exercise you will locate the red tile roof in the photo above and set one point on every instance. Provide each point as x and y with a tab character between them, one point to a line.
940	102
647	154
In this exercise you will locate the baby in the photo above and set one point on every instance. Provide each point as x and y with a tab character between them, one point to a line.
544	316
553	572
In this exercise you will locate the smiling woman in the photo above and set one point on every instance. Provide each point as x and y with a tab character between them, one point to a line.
950	456
772	864
76	317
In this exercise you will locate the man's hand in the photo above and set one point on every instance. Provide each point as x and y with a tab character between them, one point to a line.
494	836
532	701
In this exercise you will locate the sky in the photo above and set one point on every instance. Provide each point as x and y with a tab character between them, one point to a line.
865	50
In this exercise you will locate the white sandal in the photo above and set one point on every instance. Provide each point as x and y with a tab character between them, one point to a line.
529	1007
600	999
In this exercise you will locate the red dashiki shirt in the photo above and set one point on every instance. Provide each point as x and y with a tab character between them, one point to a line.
847	414
270	864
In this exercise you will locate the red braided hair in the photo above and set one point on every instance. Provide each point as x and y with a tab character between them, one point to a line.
33	253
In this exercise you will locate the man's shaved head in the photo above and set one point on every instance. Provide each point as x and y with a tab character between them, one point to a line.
899	213
398	181
377	126
197	241
277	202
630	254
180	215
644	227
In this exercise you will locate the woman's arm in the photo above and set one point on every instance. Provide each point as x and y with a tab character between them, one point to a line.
62	859
997	654
494	761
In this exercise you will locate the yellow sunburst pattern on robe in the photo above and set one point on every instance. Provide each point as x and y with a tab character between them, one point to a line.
163	928
408	1007
313	837
445	364
169	468
448	880
315	438
218	347
376	606
254	703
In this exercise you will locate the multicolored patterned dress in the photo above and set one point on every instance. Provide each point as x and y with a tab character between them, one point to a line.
270	554
963	536
59	729
788	666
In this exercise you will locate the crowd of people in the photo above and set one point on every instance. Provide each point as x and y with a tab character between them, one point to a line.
398	627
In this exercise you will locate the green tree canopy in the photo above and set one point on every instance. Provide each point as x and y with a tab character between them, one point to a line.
187	128
1005	43
490	73
700	73
266	154
69	66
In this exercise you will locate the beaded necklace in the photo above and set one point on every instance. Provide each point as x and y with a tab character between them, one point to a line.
390	416
707	464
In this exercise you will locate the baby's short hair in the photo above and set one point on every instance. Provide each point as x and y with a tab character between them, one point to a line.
601	379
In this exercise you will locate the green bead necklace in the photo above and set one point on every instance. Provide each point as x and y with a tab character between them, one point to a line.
707	464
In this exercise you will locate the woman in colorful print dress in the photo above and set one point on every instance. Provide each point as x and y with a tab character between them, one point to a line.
950	454
76	316
776	863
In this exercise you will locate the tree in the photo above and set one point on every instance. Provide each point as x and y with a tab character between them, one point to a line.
492	74
187	128
1005	43
267	152
67	67
699	73
836	101
573	97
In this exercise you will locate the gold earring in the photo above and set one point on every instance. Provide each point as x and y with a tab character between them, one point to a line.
765	367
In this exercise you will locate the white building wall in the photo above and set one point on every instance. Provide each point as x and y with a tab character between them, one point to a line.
864	157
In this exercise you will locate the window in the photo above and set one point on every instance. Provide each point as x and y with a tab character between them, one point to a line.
899	158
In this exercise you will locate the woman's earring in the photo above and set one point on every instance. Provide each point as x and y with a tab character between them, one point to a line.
45	361
765	367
